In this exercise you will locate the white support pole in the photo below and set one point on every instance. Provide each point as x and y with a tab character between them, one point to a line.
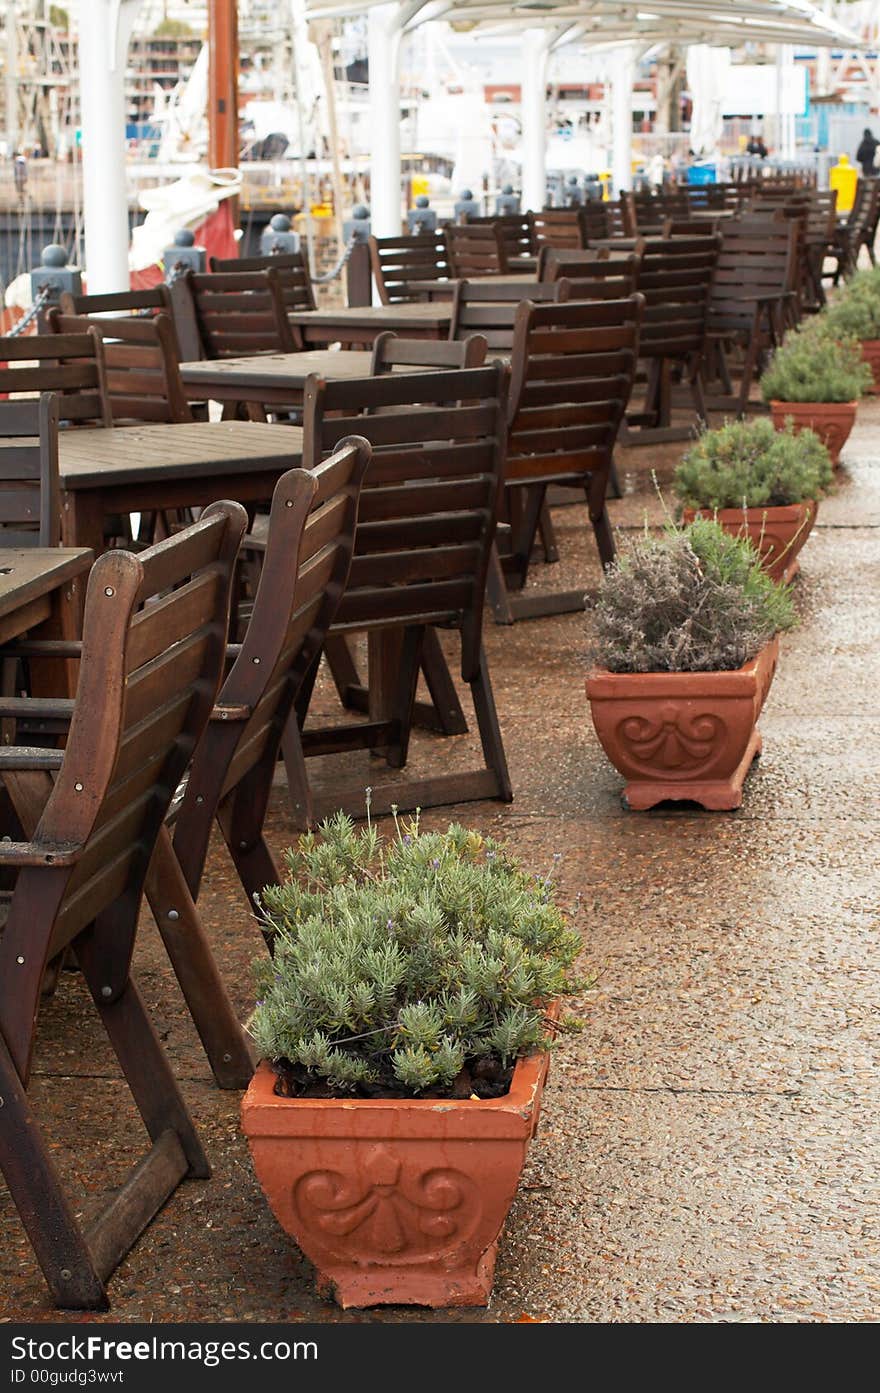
621	117
104	31
11	80
384	35
533	106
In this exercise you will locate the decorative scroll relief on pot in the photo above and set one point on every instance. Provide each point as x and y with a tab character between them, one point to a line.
677	741
398	1209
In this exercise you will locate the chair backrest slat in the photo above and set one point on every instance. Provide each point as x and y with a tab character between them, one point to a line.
397	261
138	372
475	249
393	354
68	364
294	280
29	491
572	369
237	313
417	498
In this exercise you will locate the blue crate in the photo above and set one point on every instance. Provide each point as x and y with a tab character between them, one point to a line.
703	174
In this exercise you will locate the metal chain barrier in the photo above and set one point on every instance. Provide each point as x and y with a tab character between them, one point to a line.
340	265
27	319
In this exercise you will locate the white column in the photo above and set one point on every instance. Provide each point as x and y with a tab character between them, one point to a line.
533	106
384	59
11	79
624	73
104	30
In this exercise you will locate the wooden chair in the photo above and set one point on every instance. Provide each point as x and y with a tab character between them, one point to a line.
424	536
396	261
489	309
68	364
231	315
750	289
29	499
307	554
675	279
394	354
475	249
297	291
156	300
557	227
596	279
153	647
138	373
572	370
516	234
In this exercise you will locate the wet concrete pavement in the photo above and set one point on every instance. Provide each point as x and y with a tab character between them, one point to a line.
710	1145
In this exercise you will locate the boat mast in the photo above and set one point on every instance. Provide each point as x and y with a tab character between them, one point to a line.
223	84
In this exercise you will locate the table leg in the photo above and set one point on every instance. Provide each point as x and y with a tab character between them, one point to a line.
82	519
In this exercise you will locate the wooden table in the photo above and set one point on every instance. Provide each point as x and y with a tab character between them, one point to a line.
40	586
273	379
41	594
134	469
363	324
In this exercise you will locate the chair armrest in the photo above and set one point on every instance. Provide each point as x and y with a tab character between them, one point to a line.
29	757
38	853
43	648
38	708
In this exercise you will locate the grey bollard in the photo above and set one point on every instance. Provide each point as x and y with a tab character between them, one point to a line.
466	207
507	202
422	218
184	255
358	276
358	225
53	276
278	237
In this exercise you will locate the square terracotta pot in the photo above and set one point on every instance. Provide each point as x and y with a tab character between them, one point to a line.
682	735
400	1200
777	534
831	420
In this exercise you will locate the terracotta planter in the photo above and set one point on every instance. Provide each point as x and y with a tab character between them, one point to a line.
831	420
682	735
871	355
395	1201
777	534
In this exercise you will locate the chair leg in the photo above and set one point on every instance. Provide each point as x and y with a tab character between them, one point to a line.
300	795
195	967
548	535
490	730
45	1211
614	488
405	694
496	589
604	538
138	1050
440	685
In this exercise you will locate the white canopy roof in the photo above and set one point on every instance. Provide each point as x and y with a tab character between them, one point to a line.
724	23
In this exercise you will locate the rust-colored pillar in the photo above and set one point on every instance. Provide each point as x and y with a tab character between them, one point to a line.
223	84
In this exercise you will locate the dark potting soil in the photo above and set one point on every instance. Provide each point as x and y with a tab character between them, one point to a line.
485	1077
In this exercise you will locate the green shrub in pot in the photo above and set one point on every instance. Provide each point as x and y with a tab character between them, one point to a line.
816	365
748	464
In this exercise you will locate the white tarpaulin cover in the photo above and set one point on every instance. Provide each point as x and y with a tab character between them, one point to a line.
707	71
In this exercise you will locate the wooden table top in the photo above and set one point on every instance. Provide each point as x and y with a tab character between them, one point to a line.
440	287
284	368
134	454
28	573
414	313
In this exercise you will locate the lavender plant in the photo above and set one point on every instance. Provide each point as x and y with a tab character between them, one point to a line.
691	600
405	965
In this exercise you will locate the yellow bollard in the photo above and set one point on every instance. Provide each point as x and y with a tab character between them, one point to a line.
843	177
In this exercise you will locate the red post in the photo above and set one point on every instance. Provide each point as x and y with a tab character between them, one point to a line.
222	84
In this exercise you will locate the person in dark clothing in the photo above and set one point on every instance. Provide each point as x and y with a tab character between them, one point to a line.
756	146
866	152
